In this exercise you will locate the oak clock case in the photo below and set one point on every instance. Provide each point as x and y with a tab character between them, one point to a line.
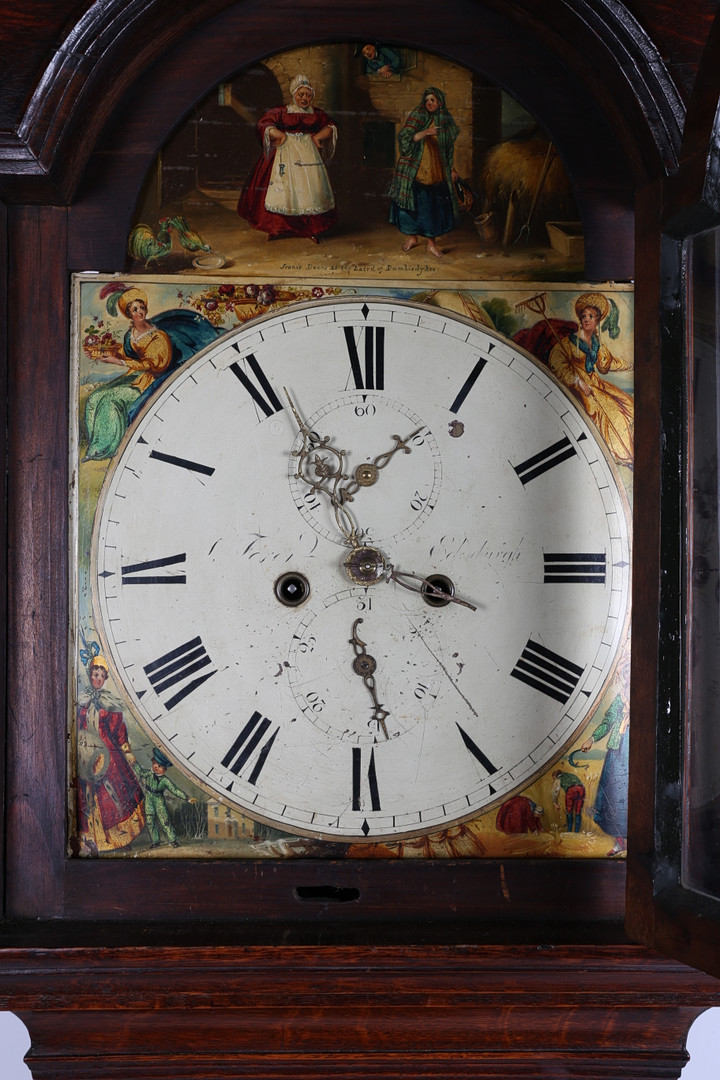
362	569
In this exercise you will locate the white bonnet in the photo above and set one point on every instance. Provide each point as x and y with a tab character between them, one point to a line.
298	81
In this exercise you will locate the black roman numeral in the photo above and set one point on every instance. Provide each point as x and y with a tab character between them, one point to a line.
545	460
576	567
369	375
245	745
137	573
357	780
182	463
264	397
476	752
547	672
469	383
176	667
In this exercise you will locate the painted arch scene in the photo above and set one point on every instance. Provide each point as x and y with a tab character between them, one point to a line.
357	162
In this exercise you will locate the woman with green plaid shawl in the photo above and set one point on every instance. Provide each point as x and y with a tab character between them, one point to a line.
423	196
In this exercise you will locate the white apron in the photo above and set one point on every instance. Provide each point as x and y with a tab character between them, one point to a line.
299	182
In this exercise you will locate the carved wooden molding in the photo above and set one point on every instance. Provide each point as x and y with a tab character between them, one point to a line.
303	1013
116	41
92	67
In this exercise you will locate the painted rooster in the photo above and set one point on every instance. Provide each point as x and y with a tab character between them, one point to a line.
145	246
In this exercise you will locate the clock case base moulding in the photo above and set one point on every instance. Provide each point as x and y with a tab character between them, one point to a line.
440	1013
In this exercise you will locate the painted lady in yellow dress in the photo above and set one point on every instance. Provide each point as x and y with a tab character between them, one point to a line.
580	361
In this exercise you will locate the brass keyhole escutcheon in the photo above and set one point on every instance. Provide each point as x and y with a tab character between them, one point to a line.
443	587
292	589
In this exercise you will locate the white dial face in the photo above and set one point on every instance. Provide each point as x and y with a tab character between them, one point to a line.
261	548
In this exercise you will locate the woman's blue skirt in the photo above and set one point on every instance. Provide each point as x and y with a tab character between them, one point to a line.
433	215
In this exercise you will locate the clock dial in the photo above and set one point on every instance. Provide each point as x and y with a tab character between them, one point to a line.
264	544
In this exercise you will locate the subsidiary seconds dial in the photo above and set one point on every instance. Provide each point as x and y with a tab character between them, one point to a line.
362	569
369	424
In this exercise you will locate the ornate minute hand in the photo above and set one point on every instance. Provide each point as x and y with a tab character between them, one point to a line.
364	665
321	466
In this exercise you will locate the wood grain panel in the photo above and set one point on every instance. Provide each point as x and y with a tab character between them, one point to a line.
385	1013
37	561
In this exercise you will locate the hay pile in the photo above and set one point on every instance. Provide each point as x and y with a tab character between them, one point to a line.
509	182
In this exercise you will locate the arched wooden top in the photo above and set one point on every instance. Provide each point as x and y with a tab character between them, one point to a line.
128	70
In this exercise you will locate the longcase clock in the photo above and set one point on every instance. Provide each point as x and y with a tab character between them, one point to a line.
414	967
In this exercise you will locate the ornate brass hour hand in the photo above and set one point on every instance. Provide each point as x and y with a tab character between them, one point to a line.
364	665
366	474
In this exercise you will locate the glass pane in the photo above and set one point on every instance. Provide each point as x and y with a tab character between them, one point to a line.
701	839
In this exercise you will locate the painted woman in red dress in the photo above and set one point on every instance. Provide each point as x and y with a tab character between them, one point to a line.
288	192
111	811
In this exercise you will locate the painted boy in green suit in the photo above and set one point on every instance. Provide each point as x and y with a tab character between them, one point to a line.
157	785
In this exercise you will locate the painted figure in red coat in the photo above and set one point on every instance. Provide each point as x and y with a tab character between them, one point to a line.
519	815
288	192
111	811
